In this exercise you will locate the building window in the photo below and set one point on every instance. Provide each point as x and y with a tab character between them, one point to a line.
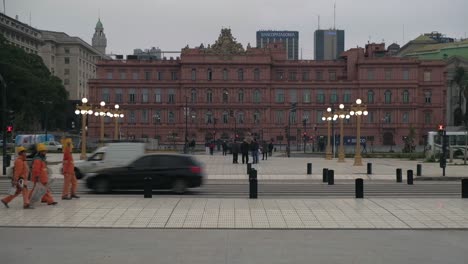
159	76
388	97
405	117
240	118
225	74
387	118
171	117
256	117
388	74
240	75
257	98
319	76
293	117
293	96
427	97
157	117
279	117
118	96
67	50
405	96
427	76
131	96
174	76
123	75
194	75
405	74
332	76
320	97
257	75
225	96
66	71
428	118
333	97
171	97
225	117
370	97
66	81
208	117
369	117
318	116
132	119
147	75
347	97
67	60
240	96
292	76
306	96
370	74
209	74
157	96
305	76
279	96
109	75
135	75
144	116
145	96
279	75
193	96
105	95
209	96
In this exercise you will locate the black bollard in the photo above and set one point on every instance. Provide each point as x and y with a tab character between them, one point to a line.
325	175
369	168
409	175
309	168
418	169
464	188
249	167
399	177
253	184
331	177
359	188
148	189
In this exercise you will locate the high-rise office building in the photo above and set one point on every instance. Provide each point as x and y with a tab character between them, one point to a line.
290	40
329	44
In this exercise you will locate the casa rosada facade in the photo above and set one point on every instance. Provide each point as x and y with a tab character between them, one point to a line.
222	90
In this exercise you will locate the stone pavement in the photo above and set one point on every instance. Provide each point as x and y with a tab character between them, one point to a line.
177	212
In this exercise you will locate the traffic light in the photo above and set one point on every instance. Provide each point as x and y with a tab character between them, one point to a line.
9	129
304	136
440	129
11	117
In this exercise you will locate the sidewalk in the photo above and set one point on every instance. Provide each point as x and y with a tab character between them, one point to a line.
211	213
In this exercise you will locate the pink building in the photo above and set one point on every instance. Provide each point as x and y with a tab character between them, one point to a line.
228	90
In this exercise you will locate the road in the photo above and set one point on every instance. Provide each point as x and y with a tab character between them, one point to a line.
297	188
70	246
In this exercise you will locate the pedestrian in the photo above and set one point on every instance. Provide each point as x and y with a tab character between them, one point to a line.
265	150
192	145
69	177
40	174
20	178
224	146
254	149
245	152
235	152
270	148
211	146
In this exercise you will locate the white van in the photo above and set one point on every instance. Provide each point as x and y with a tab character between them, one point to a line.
113	154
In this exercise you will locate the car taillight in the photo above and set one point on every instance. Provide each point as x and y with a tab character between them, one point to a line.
194	169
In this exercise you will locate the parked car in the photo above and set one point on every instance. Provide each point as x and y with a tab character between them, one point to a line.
53	146
168	171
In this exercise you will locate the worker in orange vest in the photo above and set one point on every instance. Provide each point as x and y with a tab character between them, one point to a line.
69	177
40	174
20	177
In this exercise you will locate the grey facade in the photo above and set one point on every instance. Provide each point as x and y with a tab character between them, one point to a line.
290	40
329	44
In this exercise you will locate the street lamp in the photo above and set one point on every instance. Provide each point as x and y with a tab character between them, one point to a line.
342	114
102	113
358	109
83	110
329	117
186	114
117	113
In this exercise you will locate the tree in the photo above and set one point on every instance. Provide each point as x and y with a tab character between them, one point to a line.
461	80
28	83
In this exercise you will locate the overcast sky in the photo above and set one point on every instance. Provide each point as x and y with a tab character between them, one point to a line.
172	24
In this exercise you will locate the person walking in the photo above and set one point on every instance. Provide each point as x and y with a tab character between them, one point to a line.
40	174
211	146
254	149
69	177
20	177
265	150
224	146
235	152
270	148
245	151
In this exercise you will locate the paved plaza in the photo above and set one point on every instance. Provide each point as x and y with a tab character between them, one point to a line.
211	213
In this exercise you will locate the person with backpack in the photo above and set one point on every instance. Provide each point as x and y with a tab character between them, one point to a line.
69	177
20	178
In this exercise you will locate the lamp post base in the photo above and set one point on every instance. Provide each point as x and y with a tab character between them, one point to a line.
341	157
328	156
357	161
83	156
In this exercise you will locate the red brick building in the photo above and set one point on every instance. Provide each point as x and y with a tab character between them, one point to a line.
230	90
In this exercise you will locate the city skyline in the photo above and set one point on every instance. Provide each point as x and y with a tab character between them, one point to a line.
143	19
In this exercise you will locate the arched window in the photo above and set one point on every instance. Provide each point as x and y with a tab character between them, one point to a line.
209	74
225	117
240	96
257	98
257	74
194	74
240	74
225	74
193	96
209	117
256	117
240	118
171	117
388	97
225	96
370	97
209	96
405	96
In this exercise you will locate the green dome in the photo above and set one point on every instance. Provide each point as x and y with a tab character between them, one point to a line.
99	25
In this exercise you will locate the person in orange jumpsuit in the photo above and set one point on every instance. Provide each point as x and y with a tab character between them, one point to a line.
40	174
69	177
20	177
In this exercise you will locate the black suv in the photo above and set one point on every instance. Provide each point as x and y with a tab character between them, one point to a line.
168	171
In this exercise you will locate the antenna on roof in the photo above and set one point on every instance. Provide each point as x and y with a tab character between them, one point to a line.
30	19
403	34
334	16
